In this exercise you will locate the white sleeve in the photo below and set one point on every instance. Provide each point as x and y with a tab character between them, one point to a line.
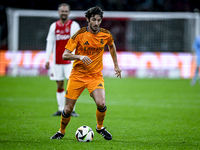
50	41
74	27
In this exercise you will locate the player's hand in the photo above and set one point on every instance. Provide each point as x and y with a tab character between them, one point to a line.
47	66
118	72
86	60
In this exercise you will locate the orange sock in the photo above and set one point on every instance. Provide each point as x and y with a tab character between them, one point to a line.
100	115
63	123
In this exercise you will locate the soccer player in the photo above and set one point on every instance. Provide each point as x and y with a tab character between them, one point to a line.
196	47
89	43
59	33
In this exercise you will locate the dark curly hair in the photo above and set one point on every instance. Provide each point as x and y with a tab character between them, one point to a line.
94	11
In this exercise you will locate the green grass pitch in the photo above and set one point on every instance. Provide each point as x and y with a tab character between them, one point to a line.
142	114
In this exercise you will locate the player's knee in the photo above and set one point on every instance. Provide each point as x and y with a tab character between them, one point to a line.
68	110
101	104
60	84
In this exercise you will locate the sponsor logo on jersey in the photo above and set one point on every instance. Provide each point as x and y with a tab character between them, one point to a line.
100	85
86	43
93	48
62	37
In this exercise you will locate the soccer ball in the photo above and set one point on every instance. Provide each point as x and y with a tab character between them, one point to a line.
84	134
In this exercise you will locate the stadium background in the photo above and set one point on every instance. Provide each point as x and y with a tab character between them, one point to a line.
118	32
107	5
144	114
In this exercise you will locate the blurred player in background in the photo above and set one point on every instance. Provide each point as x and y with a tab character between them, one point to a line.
196	47
89	43
59	33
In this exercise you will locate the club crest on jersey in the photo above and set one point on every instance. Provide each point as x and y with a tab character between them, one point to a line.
101	41
67	29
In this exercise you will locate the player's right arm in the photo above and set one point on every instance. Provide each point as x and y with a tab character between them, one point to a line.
72	45
68	55
194	48
50	44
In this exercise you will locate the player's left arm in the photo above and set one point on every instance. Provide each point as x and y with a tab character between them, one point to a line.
113	52
74	28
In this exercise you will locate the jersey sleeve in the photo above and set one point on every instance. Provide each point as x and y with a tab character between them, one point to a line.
74	28
72	44
110	39
50	41
195	44
51	33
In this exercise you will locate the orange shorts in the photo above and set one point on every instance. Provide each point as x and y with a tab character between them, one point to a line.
78	82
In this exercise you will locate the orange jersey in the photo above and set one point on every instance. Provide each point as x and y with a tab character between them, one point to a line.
91	45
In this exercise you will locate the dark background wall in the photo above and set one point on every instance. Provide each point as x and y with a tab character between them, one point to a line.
106	5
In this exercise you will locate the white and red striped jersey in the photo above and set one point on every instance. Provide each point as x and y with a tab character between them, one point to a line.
57	38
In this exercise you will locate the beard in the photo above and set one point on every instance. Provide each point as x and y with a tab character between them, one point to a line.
94	29
63	17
